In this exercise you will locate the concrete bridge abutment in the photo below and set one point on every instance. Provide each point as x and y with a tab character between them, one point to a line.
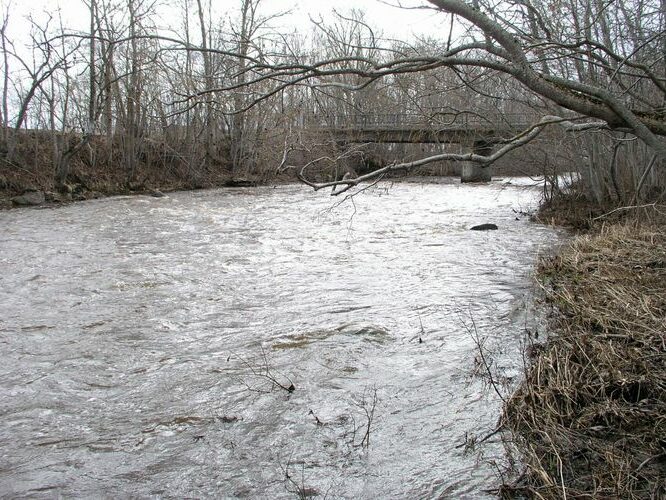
477	172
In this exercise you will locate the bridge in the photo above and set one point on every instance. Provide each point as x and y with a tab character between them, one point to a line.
419	128
475	132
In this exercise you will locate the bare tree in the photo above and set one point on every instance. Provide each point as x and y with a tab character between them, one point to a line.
238	90
5	79
209	124
567	64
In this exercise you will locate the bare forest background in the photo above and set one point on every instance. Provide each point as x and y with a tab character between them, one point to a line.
220	97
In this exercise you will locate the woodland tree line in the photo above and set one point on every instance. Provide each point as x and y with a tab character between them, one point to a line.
220	95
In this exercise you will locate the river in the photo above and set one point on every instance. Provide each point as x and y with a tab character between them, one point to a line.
143	341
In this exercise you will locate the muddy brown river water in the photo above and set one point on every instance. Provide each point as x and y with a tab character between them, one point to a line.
141	340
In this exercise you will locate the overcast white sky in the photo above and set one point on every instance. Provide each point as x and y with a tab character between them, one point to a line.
392	21
395	22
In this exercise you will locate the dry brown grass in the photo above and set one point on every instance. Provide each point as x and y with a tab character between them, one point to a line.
589	421
573	210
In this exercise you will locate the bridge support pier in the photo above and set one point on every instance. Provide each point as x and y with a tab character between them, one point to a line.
476	172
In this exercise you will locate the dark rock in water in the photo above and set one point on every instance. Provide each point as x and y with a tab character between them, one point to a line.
240	183
31	198
156	193
483	227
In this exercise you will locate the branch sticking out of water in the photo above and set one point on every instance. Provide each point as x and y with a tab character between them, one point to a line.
422	334
485	363
264	371
368	403
298	487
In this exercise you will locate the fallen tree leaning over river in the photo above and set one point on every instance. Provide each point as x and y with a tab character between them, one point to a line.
590	418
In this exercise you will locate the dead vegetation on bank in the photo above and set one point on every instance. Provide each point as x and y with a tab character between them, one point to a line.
589	421
100	169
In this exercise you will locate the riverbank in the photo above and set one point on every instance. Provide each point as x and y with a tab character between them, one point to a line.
28	189
81	192
589	419
102	169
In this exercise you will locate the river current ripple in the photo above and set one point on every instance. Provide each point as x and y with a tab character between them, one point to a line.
139	337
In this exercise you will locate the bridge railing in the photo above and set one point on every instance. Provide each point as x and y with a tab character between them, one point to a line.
386	121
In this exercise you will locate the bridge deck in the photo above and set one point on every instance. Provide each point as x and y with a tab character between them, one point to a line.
418	135
406	128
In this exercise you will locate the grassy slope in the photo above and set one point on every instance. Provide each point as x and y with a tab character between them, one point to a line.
589	421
